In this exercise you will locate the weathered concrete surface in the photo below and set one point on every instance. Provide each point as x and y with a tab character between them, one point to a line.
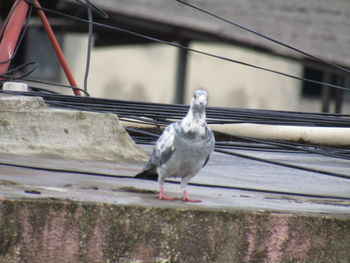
56	231
27	126
315	194
60	216
48	216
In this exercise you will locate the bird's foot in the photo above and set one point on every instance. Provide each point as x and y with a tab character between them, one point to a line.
186	198
165	197
162	196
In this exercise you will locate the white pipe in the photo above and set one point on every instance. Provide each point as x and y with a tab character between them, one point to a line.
315	135
327	136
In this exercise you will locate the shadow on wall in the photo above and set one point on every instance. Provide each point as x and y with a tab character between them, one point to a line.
115	89
238	97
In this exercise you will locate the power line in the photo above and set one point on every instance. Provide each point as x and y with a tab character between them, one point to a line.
163	114
116	28
258	190
264	36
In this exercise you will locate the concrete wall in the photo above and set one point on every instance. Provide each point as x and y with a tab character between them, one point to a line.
55	231
235	85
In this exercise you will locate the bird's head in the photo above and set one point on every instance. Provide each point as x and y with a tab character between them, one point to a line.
199	100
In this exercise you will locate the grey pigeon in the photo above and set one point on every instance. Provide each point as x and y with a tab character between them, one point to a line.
183	148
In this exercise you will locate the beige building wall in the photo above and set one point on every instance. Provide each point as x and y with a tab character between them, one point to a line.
133	72
147	73
235	85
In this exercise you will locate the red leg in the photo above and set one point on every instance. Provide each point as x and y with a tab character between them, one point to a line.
186	198
162	196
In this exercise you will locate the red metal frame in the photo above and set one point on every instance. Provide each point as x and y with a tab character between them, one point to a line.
11	32
12	29
3	26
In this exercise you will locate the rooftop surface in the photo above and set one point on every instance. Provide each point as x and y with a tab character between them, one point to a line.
58	203
226	183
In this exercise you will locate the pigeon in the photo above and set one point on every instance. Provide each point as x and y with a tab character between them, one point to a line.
182	150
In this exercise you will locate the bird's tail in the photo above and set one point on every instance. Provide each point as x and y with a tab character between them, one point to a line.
149	174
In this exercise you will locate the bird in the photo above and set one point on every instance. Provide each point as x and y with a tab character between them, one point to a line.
182	150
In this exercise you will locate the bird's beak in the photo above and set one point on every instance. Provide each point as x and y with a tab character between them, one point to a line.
202	101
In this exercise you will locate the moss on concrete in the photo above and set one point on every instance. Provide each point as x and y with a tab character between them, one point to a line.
55	231
8	229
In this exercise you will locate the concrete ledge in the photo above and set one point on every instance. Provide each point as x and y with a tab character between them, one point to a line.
21	103
54	231
27	126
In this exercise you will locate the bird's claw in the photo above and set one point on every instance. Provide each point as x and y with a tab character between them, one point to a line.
186	198
165	197
162	196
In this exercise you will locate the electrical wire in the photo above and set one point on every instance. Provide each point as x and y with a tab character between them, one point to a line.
9	74
93	7
298	147
46	83
219	148
189	49
164	113
148	137
264	36
102	13
162	120
152	114
249	189
284	164
161	115
88	51
90	7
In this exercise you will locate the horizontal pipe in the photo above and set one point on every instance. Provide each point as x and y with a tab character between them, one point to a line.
328	136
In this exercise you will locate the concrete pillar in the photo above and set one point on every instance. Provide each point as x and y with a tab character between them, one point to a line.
326	93
181	71
339	94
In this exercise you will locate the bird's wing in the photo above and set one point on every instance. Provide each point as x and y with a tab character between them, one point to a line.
162	152
210	141
164	147
206	160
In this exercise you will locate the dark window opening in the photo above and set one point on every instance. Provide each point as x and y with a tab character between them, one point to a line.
309	89
314	90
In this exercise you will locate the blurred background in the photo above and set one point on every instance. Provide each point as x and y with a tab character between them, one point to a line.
129	67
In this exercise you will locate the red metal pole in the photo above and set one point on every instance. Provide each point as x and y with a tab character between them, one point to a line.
57	47
11	33
3	26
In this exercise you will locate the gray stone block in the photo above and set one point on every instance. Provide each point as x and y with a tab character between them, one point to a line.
27	126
